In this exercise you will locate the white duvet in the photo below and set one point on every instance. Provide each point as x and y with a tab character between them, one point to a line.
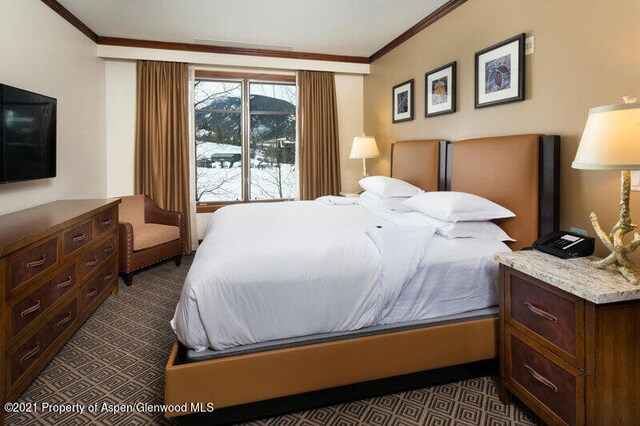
277	270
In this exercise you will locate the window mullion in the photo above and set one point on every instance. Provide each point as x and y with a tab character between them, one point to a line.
246	152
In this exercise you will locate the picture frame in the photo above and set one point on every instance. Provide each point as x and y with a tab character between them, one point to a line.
440	90
500	73
402	102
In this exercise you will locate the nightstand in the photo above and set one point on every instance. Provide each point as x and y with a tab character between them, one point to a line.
569	339
350	194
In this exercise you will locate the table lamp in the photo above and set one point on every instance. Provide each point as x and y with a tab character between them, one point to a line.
611	141
364	147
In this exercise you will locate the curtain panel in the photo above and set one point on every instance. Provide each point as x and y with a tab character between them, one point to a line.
319	143
162	137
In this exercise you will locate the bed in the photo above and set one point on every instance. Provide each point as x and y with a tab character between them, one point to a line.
264	358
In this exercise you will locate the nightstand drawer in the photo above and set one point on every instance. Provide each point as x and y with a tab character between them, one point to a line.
556	385
558	318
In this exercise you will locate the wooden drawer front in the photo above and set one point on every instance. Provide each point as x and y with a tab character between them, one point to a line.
547	314
93	259
556	388
33	262
77	237
92	288
106	221
30	351
32	306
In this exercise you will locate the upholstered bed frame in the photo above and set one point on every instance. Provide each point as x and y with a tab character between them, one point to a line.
519	172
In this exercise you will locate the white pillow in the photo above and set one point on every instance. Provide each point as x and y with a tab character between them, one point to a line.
387	187
393	203
486	229
457	206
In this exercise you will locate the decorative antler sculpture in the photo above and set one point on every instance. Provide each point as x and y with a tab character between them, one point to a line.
613	241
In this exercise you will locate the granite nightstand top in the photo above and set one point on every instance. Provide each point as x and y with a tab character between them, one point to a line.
575	276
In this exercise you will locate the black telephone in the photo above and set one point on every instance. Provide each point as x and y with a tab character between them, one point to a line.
565	245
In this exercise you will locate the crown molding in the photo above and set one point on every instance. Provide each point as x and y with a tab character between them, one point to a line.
192	47
71	18
433	17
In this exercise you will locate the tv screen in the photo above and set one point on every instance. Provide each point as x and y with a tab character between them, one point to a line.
27	135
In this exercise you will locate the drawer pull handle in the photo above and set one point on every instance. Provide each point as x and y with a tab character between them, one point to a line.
539	377
80	237
92	262
30	310
66	283
65	319
540	312
106	222
109	276
37	263
33	352
109	249
92	293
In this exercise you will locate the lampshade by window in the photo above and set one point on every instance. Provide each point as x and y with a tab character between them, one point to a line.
611	139
364	147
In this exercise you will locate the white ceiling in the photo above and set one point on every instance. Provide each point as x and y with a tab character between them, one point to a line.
342	27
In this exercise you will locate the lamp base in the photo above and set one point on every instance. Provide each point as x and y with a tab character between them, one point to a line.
613	241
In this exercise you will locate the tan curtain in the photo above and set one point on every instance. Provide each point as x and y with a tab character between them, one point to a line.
319	144
162	137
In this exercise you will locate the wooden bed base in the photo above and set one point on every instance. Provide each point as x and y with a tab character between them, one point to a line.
267	375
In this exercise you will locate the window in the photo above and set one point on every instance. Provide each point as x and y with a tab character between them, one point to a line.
245	136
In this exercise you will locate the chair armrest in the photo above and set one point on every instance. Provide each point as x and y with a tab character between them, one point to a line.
154	214
125	237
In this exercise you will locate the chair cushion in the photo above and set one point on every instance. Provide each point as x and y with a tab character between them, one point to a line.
131	209
147	235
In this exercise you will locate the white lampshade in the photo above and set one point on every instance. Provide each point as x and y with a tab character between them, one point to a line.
611	139
364	147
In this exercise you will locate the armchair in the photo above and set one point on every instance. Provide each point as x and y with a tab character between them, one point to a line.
147	235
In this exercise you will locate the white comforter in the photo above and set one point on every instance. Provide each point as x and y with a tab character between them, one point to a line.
276	270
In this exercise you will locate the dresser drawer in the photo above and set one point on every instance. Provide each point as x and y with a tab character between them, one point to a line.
106	221
33	262
25	311
30	351
77	237
94	287
94	258
555	384
558	318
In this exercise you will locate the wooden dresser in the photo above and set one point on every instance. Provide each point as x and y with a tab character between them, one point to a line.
58	262
569	340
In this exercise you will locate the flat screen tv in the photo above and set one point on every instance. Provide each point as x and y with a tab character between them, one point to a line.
27	135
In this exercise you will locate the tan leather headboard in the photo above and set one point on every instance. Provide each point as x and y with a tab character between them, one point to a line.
417	162
506	170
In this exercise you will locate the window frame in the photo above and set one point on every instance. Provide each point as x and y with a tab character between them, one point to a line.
245	80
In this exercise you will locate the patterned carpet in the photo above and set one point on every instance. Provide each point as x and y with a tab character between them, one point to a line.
119	355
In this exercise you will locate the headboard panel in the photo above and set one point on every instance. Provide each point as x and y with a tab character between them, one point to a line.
420	162
518	172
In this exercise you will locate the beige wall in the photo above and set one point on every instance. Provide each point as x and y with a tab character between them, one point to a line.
42	53
349	94
121	126
120	134
586	54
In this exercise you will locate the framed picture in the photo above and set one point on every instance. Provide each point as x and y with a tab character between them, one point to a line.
440	91
500	73
403	102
